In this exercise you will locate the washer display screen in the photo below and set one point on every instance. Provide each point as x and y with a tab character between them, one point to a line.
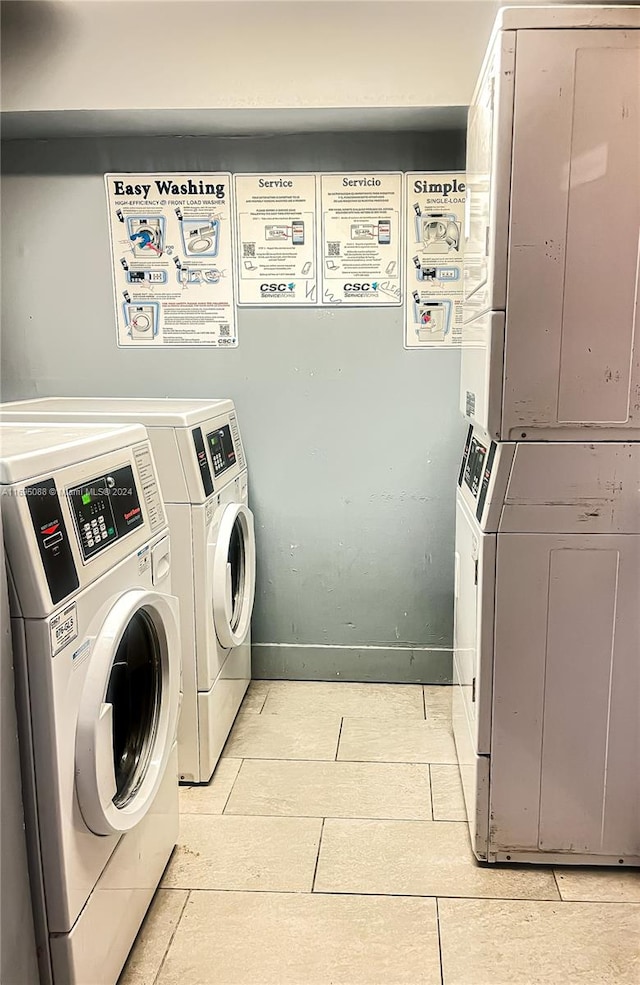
105	509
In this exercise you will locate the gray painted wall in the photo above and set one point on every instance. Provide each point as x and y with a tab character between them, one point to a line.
353	443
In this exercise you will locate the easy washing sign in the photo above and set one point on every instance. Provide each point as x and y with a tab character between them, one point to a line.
172	263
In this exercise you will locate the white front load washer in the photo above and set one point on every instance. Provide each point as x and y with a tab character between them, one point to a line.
204	480
546	698
96	643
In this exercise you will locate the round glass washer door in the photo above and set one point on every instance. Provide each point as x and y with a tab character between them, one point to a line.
233	563
128	711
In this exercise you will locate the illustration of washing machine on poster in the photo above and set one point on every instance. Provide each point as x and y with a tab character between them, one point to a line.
200	236
432	318
438	232
146	235
142	320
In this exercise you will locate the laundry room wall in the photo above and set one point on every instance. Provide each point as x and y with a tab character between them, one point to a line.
353	443
183	55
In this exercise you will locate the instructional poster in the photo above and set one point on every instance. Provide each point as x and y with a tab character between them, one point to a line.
172	259
276	239
361	238
434	207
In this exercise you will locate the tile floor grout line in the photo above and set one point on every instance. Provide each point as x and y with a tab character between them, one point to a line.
555	879
472	899
231	790
364	715
439	941
412	896
333	817
315	868
335	758
265	698
359	762
264	702
431	791
171	937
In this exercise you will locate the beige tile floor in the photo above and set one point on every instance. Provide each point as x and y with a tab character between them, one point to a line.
331	848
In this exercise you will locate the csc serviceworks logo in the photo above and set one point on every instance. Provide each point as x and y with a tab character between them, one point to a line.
360	288
277	288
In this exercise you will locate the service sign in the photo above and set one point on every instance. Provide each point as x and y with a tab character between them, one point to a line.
434	215
171	255
276	239
361	238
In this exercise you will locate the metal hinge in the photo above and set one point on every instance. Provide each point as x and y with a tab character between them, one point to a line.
475	576
473	689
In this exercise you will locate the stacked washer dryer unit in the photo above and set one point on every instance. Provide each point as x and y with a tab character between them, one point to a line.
204	480
547	627
97	654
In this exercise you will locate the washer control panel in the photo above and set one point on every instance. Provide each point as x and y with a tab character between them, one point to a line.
53	541
223	454
105	509
483	463
473	468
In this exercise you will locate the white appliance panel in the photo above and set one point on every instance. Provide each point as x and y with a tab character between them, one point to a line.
566	732
571	355
217	708
487	176
481	369
474	772
473	625
553	214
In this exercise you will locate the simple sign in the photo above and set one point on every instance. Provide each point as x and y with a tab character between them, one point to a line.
434	210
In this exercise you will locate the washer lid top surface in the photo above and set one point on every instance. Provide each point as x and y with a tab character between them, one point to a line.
152	412
31	449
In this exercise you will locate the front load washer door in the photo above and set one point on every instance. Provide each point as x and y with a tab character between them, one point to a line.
128	711
232	561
